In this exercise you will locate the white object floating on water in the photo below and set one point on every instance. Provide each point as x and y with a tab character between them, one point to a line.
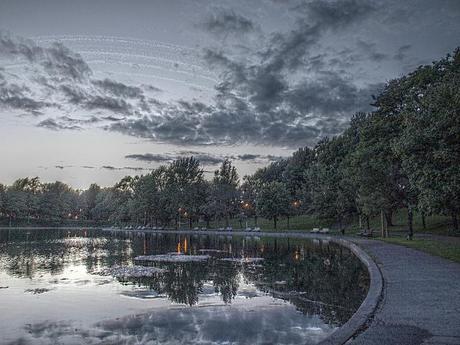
243	260
172	258
132	271
211	251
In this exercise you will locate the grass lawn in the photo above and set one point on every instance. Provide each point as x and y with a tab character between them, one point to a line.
435	224
443	248
298	223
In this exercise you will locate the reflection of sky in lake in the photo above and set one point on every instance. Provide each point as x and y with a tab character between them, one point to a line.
53	291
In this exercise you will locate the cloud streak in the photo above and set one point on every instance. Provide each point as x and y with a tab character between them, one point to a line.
206	159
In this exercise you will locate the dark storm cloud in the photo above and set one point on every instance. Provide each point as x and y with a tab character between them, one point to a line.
105	167
119	89
18	97
17	101
370	49
402	52
79	96
116	105
290	90
249	157
150	157
290	50
57	60
64	74
63	62
278	110
337	13
112	168
219	125
204	158
255	102
55	126
330	94
226	21
62	167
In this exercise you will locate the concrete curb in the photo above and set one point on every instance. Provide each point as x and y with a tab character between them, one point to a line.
364	312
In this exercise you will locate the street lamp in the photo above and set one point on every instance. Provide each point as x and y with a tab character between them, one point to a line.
246	206
181	211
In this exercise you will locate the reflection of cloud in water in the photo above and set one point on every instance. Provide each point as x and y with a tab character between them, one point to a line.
143	294
243	260
245	324
131	271
172	257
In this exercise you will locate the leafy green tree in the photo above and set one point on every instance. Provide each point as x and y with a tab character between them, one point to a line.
30	188
89	200
106	206
330	194
429	145
274	201
58	201
2	199
294	173
273	172
249	192
226	196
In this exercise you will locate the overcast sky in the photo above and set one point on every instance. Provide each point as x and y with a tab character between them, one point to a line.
91	91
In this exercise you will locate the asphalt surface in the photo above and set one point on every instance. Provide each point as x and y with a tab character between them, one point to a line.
421	298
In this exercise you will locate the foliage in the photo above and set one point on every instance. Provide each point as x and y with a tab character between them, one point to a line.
403	155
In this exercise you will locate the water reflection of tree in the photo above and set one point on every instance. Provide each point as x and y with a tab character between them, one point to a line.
25	254
326	280
183	282
225	281
318	278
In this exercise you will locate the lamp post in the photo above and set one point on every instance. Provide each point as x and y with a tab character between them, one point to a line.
246	206
295	205
179	211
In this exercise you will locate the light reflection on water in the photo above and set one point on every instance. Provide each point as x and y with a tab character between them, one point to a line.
53	289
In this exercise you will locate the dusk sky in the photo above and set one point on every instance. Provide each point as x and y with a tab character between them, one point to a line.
94	90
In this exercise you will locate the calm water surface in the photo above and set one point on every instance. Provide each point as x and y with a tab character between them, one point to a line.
65	287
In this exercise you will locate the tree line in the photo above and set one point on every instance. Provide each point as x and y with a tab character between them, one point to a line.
404	154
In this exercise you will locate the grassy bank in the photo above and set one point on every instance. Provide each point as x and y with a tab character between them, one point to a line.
444	249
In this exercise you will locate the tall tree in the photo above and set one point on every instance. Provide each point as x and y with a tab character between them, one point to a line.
274	201
429	145
226	195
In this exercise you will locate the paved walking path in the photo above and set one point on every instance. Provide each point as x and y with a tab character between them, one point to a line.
421	298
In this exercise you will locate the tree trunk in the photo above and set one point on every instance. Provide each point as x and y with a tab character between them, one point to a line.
368	225
423	220
274	221
410	221
455	221
382	220
288	225
190	223
389	218
255	220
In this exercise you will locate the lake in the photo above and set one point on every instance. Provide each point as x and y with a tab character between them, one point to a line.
96	287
